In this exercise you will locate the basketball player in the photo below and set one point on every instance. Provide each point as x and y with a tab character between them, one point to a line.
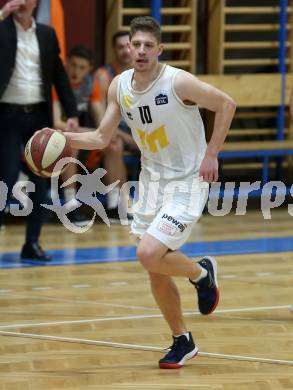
160	104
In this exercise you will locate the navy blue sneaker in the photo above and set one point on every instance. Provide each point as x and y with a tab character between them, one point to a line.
181	350
207	288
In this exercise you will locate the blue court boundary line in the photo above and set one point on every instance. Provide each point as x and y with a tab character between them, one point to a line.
128	253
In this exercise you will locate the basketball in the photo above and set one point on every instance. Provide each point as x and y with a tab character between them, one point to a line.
44	149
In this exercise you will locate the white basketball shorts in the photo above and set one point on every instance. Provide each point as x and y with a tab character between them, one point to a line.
168	215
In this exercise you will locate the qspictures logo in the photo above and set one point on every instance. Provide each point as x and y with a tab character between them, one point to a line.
90	187
222	199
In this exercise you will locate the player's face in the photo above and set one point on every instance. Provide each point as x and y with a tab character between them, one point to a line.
144	51
121	50
77	69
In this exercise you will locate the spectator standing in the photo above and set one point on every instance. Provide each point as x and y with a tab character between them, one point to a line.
30	65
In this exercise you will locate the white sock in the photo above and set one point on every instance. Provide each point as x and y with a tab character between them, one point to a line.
113	198
202	275
185	334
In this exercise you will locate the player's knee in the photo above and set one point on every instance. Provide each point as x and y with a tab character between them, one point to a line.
147	257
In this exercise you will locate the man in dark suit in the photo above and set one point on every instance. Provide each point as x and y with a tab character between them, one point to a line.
30	65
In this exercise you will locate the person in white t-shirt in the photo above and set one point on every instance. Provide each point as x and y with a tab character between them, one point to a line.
30	65
160	105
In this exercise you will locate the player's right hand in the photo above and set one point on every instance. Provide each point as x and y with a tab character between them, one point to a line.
209	169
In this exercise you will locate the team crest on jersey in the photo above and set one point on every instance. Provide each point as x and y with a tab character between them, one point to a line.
161	98
127	100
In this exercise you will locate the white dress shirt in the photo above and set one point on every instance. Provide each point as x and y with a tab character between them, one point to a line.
25	85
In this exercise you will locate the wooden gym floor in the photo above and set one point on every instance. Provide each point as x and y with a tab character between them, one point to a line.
83	324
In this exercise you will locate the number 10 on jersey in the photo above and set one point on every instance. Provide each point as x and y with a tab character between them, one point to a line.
145	114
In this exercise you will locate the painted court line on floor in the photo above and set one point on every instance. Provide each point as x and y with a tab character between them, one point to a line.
42	288
122	318
78	256
269	321
256	308
142	347
158	385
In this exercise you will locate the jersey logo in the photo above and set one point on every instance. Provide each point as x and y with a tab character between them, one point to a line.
155	140
127	100
161	99
129	115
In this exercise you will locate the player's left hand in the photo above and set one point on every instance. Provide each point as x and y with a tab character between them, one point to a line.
209	169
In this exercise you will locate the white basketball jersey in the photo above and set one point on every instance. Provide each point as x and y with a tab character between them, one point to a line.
169	133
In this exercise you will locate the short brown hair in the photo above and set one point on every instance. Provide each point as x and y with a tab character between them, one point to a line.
117	35
146	24
82	52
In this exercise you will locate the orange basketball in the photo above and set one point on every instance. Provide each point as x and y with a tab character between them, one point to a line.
44	149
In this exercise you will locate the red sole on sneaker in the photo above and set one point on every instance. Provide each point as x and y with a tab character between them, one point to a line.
174	366
171	366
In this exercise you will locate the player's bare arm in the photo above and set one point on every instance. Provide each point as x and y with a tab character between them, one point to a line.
100	138
189	88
